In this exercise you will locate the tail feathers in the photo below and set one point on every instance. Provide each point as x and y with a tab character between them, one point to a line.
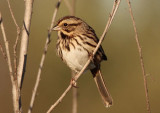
106	97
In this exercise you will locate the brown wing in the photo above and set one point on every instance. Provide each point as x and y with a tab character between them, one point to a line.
100	55
101	52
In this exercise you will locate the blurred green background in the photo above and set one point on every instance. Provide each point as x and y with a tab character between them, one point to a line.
122	72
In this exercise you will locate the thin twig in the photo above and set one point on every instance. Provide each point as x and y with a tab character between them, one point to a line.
59	100
17	38
12	14
2	51
15	53
15	91
141	58
74	90
43	58
114	9
74	97
73	7
69	6
24	41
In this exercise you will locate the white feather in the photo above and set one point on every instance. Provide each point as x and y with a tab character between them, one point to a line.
76	58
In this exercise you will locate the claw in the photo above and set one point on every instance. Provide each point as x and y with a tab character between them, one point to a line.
73	83
91	56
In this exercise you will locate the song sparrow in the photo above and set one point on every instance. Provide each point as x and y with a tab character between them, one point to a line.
76	42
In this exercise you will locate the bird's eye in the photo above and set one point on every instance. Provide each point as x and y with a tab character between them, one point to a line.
65	24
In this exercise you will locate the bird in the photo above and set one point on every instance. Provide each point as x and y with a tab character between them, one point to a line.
75	45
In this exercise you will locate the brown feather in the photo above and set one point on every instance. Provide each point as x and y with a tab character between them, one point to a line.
76	42
106	97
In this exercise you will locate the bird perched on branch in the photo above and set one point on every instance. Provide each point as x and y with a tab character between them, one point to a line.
75	45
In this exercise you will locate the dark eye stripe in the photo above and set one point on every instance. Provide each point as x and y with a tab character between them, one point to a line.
75	24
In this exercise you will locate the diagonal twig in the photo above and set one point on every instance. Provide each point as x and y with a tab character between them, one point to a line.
114	9
17	38
3	52
43	58
141	58
15	91
12	14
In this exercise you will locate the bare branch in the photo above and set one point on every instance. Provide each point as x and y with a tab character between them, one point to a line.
3	53
60	99
71	7
24	41
15	52
74	97
12	14
74	90
68	6
15	91
114	9
6	44
141	58
43	58
17	38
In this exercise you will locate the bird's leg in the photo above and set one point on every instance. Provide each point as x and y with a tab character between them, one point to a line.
91	56
73	82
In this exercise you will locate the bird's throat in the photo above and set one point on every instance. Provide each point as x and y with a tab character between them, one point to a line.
64	35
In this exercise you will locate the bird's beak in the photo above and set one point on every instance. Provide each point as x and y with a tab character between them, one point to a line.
56	28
